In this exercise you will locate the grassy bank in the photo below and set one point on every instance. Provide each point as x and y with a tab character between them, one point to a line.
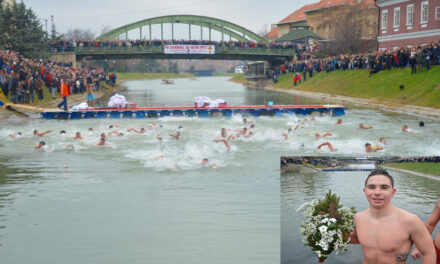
432	168
422	89
128	76
238	78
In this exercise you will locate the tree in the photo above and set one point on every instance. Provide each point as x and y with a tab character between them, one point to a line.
263	31
105	29
22	31
347	25
76	34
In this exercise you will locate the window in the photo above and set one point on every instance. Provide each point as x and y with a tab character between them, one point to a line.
396	17
384	19
437	13
409	15
424	13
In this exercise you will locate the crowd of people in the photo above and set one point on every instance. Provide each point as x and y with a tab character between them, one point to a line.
308	64
69	45
23	79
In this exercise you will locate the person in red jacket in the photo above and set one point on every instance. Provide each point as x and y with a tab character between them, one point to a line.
64	92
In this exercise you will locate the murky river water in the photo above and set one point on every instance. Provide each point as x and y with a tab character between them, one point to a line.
142	200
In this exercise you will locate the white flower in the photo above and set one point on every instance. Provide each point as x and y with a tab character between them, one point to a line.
323	229
333	220
325	220
318	253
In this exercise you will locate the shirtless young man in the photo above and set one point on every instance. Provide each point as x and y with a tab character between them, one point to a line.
40	145
430	224
385	232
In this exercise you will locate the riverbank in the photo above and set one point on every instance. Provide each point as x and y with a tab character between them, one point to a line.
427	170
420	95
105	90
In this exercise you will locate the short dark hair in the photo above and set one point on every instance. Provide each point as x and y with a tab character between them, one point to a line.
367	144
42	143
380	171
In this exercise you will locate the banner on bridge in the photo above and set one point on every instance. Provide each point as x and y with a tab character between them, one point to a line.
189	49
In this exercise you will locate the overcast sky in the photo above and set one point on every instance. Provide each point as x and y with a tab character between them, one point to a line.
94	14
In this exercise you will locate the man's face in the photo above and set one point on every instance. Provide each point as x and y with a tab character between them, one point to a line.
379	191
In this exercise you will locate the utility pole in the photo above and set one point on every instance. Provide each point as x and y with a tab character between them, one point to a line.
53	27
45	20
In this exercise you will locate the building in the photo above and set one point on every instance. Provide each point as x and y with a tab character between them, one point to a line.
408	23
323	17
321	20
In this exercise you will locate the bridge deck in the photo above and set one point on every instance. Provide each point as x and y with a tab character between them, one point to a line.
151	112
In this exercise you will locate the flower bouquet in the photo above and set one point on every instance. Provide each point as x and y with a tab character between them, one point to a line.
328	224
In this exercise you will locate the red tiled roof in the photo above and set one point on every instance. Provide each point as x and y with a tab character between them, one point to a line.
272	34
300	14
365	4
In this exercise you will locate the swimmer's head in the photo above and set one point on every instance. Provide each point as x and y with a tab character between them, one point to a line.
142	130
377	172
78	134
339	121
382	139
103	135
121	134
102	140
289	130
42	143
90	128
69	146
180	127
404	127
252	126
245	129
19	133
361	125
35	131
110	127
62	132
421	123
205	162
160	126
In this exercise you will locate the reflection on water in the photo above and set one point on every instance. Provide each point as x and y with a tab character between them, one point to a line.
415	194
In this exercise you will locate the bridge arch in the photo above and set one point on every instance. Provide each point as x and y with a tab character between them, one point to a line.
224	27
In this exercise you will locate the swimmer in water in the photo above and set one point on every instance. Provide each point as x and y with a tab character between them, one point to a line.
159	137
78	136
286	135
40	134
176	136
250	134
382	142
242	131
372	148
228	147
15	135
245	121
328	144
407	130
103	143
119	134
364	126
40	145
142	131
112	126
205	164
103	135
70	146
90	129
327	134
338	122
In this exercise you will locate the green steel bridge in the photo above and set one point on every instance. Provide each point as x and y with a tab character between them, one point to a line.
143	29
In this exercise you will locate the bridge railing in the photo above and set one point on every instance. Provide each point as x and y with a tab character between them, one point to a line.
160	49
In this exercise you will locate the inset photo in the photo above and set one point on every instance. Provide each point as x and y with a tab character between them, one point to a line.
360	209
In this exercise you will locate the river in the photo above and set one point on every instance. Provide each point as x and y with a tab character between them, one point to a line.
144	200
